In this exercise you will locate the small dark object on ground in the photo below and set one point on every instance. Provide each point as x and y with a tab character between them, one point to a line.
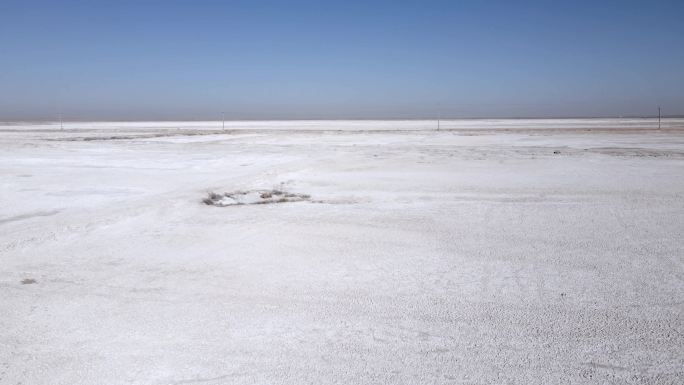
556	152
209	200
28	281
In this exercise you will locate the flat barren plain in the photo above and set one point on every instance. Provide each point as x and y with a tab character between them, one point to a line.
342	252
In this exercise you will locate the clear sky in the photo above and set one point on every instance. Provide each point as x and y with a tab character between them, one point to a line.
348	59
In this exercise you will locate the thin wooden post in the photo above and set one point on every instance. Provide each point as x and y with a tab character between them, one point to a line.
659	117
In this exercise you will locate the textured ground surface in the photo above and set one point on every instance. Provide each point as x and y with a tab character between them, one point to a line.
520	252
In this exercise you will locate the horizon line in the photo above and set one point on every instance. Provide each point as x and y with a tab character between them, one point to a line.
672	116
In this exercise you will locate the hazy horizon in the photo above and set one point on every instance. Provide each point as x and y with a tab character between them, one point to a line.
175	60
66	119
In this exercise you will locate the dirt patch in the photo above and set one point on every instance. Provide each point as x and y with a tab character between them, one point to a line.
28	281
252	197
636	152
165	133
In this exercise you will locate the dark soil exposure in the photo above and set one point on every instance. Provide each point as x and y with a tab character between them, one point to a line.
28	281
253	197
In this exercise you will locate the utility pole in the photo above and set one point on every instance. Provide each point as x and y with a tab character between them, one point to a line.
659	117
223	120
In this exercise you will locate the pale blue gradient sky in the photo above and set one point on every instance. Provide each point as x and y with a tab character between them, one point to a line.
312	59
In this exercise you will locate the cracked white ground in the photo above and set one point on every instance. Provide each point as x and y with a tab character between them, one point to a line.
521	252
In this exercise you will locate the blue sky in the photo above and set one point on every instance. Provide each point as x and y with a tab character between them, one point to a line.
315	59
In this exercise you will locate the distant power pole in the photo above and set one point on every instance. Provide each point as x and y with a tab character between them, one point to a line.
223	120
659	117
